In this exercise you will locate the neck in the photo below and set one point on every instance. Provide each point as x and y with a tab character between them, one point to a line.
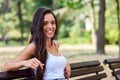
48	42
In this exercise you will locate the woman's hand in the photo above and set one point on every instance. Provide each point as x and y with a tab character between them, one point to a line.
67	71
33	63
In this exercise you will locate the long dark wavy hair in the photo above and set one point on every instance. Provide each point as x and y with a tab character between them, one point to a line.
38	37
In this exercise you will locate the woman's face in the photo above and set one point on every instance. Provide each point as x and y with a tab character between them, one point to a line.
49	25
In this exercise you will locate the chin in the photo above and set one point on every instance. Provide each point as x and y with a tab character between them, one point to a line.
49	37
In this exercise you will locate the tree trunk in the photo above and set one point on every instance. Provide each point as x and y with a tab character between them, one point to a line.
92	17
21	21
101	31
118	18
4	9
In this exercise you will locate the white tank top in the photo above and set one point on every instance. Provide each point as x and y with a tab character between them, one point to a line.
55	66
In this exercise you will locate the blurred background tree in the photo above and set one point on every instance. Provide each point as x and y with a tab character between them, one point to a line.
78	21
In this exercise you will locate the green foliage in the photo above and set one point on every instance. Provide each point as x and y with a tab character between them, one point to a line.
71	29
111	23
75	4
14	34
112	37
63	31
60	3
75	31
77	40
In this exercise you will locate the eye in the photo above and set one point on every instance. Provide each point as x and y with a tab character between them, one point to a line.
45	23
53	22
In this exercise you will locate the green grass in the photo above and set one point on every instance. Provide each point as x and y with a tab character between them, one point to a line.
12	43
73	41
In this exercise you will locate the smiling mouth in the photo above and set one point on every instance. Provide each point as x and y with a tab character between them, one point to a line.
49	31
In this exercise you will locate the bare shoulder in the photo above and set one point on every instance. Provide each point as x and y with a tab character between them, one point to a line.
30	49
31	45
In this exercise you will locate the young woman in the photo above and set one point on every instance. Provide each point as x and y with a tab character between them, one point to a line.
42	53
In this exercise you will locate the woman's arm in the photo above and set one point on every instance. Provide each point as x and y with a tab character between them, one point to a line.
67	71
23	60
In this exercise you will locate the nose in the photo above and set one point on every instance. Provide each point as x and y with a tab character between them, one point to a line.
49	25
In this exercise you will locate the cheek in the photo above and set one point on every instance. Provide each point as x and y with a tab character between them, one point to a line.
44	29
55	28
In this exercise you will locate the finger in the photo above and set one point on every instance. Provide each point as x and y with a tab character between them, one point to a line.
34	63
31	66
41	66
37	63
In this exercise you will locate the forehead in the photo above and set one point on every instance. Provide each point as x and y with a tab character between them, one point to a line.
48	17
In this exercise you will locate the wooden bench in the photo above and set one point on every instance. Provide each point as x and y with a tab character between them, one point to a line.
77	70
82	69
114	65
23	74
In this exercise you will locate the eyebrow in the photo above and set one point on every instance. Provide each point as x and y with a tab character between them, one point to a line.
48	21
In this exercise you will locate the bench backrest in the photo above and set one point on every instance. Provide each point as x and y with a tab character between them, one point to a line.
77	69
25	74
114	65
89	67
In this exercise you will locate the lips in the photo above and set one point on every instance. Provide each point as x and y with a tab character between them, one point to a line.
49	33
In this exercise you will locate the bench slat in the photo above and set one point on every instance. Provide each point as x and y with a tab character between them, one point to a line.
94	77
84	64
15	74
79	72
115	66
109	61
117	72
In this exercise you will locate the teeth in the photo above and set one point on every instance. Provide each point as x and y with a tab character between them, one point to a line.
50	31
